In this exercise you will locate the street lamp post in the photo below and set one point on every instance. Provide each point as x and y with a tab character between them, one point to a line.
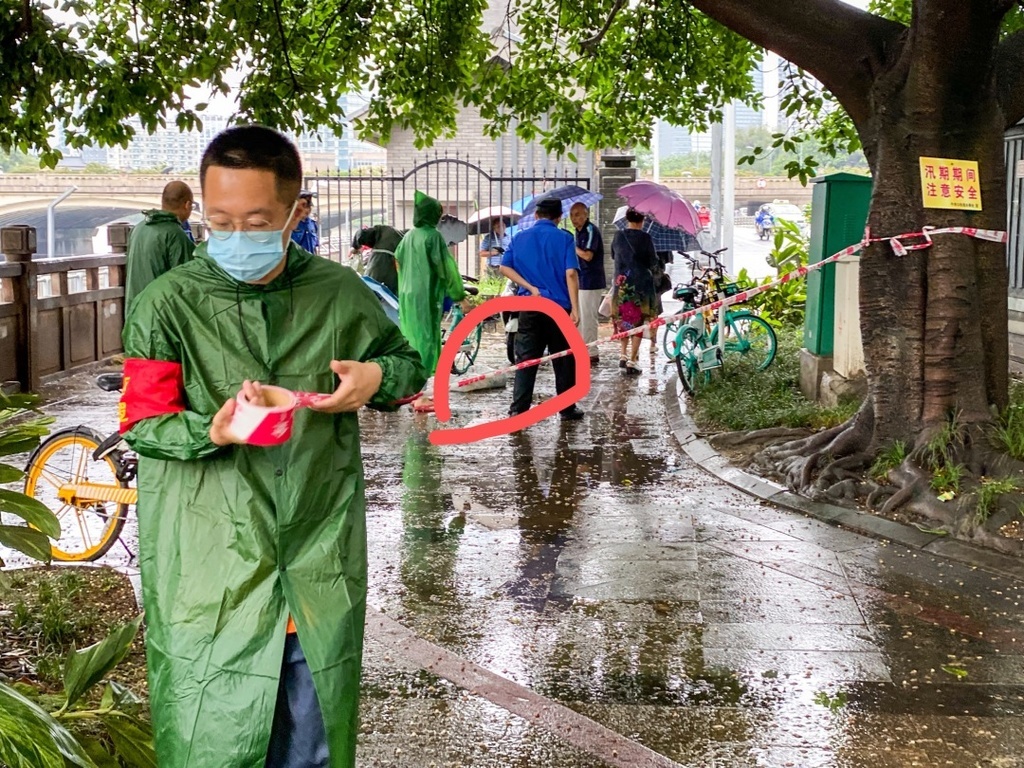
50	227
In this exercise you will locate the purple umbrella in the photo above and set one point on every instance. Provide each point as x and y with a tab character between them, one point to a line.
664	205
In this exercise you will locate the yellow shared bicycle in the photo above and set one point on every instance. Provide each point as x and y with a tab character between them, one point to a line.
86	480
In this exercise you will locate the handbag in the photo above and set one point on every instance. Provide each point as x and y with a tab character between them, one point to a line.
663	284
605	310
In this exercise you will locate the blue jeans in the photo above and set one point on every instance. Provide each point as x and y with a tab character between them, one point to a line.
297	737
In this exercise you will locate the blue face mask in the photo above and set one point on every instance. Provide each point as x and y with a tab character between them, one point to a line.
245	259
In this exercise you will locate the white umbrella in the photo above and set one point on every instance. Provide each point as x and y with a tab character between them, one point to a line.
453	229
480	222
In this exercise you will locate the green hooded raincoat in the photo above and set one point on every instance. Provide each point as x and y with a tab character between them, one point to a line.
234	539
426	274
155	246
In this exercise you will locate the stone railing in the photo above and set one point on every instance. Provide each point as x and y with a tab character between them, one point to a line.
57	315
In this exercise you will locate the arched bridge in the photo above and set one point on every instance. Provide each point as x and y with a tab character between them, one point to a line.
30	192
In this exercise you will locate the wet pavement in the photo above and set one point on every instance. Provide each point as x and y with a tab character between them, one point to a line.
583	595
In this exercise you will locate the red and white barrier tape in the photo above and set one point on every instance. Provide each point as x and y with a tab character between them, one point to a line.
899	247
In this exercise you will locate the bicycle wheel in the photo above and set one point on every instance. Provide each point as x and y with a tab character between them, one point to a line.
687	361
87	528
752	338
466	355
670	341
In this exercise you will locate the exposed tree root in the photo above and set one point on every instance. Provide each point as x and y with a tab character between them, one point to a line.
831	465
774	434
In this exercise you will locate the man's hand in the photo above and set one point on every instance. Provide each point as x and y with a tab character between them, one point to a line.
359	383
533	289
220	429
574	315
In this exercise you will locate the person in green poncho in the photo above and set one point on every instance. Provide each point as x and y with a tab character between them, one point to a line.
159	243
426	274
253	559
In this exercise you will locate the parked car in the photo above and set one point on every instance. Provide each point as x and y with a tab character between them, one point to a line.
782	209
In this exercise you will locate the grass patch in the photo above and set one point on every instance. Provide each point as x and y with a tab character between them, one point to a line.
989	492
946	478
888	458
740	397
1009	433
46	611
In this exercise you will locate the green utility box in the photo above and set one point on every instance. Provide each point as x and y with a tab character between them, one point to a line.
839	212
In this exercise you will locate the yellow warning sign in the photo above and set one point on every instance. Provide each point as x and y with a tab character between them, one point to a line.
949	183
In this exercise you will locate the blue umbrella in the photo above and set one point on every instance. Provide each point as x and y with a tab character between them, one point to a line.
569	195
518	207
665	238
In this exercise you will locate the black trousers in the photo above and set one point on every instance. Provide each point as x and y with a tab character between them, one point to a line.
539	334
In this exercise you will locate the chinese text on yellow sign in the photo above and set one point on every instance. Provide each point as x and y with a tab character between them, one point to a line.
949	183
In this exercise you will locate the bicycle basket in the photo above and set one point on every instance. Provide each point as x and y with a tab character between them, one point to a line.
730	289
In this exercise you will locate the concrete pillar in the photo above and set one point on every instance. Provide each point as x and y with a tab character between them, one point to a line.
117	236
617	169
18	242
848	351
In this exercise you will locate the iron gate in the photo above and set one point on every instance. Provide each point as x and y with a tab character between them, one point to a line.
347	202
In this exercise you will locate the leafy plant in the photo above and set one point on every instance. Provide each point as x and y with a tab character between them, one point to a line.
888	458
21	427
784	306
30	735
989	491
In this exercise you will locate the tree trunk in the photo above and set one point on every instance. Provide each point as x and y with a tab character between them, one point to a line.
934	322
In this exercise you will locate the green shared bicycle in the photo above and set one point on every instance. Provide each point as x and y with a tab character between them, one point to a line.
707	340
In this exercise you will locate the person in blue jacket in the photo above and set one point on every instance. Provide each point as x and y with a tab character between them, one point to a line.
306	234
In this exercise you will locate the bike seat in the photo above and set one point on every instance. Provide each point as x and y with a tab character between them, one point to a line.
110	382
472	290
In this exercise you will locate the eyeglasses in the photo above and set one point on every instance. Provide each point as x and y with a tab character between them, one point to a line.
257	230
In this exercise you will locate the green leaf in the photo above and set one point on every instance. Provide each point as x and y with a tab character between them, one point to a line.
933	531
33	512
9	474
132	740
958	672
28	541
97	751
117	696
31	738
84	668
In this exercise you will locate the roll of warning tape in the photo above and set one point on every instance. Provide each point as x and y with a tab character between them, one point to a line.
270	424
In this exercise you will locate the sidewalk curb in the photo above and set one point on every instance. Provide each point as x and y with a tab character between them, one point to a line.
711	461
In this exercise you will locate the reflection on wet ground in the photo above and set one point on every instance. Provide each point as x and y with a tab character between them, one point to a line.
590	563
581	595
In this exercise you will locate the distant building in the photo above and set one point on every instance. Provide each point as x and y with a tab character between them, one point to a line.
673	140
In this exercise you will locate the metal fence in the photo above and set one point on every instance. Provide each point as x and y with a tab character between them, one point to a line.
346	203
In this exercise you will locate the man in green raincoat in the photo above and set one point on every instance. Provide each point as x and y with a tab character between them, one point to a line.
159	243
253	558
426	274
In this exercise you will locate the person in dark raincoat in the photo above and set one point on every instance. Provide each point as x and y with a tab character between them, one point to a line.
253	558
384	241
159	243
427	273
